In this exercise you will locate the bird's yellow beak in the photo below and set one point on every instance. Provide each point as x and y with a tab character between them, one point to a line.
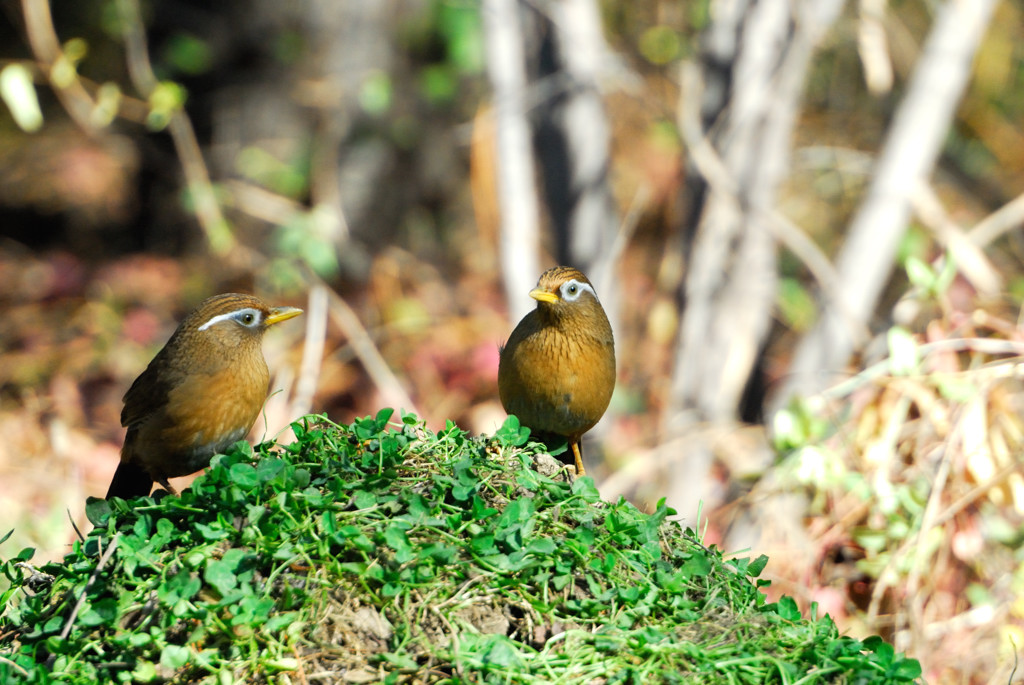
542	295
279	314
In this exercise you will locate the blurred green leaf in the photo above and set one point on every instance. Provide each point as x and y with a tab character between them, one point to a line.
1016	288
188	54
438	83
920	273
664	134
289	46
660	44
460	24
64	71
871	540
164	101
796	305
259	165
309	237
699	14
915	242
75	50
376	93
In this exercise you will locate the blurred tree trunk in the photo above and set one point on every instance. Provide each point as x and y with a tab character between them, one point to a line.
547	60
517	190
908	155
753	65
571	132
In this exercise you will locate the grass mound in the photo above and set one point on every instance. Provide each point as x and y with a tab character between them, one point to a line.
382	552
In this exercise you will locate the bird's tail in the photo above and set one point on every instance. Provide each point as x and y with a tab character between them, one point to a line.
130	480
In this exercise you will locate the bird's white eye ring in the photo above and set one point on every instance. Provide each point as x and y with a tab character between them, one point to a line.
246	317
571	290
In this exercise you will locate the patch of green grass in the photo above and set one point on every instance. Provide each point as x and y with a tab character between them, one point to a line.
381	552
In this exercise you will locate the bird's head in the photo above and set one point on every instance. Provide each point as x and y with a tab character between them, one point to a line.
564	291
233	320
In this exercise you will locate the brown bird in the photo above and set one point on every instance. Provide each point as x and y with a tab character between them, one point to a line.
200	394
556	373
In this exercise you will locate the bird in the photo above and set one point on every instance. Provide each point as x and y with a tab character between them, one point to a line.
199	395
556	372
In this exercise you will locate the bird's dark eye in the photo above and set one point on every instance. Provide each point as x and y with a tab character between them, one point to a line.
248	318
573	288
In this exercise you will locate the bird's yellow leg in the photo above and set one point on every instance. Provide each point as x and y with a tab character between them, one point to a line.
580	471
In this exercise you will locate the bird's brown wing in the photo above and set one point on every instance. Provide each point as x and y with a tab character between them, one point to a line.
148	394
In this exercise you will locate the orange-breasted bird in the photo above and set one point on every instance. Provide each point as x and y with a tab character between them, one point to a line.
201	393
556	373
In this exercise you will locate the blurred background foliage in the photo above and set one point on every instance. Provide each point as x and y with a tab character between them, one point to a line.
343	146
